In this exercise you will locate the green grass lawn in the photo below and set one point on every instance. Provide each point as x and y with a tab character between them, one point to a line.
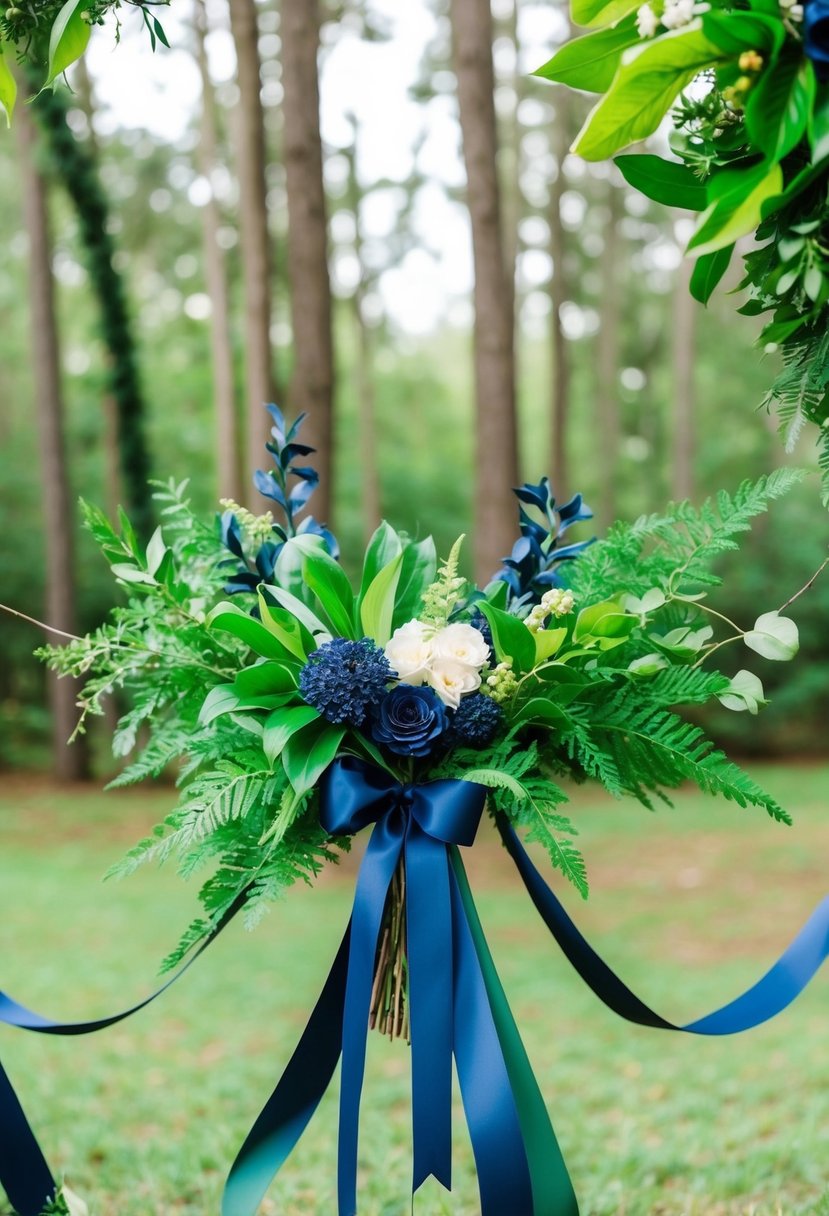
689	905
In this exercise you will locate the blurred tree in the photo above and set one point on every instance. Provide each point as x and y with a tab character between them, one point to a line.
608	425
312	379
560	292
496	465
73	161
683	352
228	467
68	762
257	254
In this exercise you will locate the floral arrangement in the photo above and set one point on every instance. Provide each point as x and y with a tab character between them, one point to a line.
300	709
747	90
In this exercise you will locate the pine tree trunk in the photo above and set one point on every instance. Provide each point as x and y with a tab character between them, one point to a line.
497	446
57	499
607	358
561	371
257	259
74	162
228	472
312	382
682	361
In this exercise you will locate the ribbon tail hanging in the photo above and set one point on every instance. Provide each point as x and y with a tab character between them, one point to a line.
552	1190
24	1174
781	984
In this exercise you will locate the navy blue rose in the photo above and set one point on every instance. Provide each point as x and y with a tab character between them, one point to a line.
816	35
409	720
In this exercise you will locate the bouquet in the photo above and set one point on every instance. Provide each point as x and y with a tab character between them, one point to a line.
745	86
300	708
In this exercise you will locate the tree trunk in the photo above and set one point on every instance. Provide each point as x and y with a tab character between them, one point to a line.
561	372
682	360
74	163
497	445
57	499
257	258
607	358
312	381
224	393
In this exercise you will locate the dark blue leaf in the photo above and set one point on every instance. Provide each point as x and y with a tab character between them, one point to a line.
295	425
305	472
267	487
534	495
292	450
232	534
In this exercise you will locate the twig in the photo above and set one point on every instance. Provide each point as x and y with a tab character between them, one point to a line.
61	633
806	586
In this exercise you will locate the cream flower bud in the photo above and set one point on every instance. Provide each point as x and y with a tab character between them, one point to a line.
647	21
461	644
409	652
678	13
451	680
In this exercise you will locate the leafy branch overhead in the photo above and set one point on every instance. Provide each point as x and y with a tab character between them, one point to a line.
746	89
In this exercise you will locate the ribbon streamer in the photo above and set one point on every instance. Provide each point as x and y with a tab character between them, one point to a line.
458	1010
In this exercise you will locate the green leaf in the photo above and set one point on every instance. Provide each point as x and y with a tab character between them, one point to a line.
329	583
708	271
780	104
539	709
233	620
735	31
377	608
647	83
664	181
297	608
416	574
286	628
309	752
548	642
737	206
282	725
604	623
591	62
511	638
601	12
774	637
220	700
156	550
819	125
68	39
648	665
384	546
744	692
267	677
8	87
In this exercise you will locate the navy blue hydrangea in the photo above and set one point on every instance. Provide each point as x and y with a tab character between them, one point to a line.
345	680
475	722
816	35
410	720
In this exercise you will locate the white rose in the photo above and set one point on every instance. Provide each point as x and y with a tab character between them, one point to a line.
462	644
451	680
409	652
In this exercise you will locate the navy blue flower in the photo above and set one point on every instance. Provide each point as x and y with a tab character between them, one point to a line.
530	568
409	720
475	722
816	35
344	680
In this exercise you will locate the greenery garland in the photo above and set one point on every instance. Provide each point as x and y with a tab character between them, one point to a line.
746	85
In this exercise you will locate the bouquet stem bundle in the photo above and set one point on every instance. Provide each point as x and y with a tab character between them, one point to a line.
389	997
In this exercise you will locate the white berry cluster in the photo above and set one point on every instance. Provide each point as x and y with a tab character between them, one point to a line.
554	602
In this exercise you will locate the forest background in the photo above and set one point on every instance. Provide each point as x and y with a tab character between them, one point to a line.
312	206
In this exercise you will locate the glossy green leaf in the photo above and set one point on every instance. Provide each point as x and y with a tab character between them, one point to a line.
648	81
590	63
539	709
708	271
744	692
282	724
511	638
308	753
286	628
548	642
736	211
220	700
774	637
68	39
417	572
329	583
779	105
601	12
664	181
267	677
233	620
819	125
8	85
298	608
647	665
738	30
377	608
384	546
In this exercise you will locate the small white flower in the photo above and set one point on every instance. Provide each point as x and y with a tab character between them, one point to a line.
451	680
409	652
647	21
461	644
678	13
